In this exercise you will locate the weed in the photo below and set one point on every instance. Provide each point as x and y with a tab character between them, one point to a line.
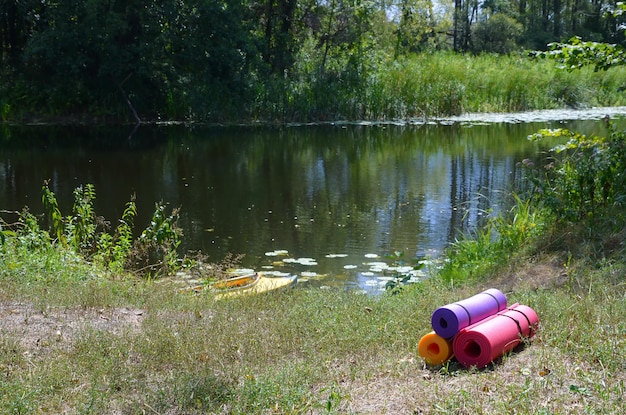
480	254
153	253
584	177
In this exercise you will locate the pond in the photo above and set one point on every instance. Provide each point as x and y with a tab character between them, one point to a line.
327	202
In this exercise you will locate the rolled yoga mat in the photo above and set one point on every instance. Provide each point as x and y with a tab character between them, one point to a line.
482	343
434	349
449	319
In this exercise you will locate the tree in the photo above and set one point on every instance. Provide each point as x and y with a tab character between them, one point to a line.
278	24
588	175
82	51
498	33
416	26
465	14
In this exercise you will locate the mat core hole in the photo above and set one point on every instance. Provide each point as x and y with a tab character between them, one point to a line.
433	349
472	349
443	323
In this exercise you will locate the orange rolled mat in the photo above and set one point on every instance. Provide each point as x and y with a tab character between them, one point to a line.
434	349
482	343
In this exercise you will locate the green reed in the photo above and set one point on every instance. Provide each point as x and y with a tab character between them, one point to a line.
447	84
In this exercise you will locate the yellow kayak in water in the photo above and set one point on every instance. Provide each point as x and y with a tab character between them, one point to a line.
251	284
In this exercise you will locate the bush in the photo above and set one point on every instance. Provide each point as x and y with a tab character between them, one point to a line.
584	177
497	34
154	252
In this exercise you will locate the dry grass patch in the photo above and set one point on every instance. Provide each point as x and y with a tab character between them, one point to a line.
536	380
36	328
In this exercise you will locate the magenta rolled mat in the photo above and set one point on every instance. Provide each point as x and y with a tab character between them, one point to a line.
483	342
448	320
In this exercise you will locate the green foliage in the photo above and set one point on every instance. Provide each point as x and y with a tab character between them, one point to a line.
497	34
51	206
5	233
585	176
154	252
113	250
279	60
158	243
81	227
446	83
479	255
417	28
29	234
578	53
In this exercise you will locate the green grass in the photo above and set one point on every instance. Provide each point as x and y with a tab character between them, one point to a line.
447	84
382	88
88	343
489	248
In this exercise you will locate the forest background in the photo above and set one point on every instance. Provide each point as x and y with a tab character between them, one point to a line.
272	60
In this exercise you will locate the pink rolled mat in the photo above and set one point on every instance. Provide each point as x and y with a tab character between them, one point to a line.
434	349
483	342
449	319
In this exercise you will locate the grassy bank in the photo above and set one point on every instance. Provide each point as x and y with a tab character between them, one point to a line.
447	84
77	341
440	84
425	85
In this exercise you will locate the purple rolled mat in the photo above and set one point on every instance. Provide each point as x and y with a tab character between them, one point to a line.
448	320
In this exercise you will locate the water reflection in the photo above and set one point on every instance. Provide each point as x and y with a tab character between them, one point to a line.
331	193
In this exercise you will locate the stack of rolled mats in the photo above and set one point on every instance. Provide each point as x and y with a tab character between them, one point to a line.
477	330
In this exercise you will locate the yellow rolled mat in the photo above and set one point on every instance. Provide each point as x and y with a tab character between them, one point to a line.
434	349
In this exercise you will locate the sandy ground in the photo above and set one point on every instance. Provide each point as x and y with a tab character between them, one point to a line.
37	328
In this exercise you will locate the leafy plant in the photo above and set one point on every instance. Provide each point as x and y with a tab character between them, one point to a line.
585	175
50	204
400	278
29	233
153	252
156	247
113	250
81	226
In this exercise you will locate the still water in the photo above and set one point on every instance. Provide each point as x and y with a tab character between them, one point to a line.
326	202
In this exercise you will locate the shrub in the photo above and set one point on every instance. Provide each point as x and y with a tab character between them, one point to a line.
497	34
584	176
154	252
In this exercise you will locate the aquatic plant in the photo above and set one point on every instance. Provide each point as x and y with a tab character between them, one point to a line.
401	275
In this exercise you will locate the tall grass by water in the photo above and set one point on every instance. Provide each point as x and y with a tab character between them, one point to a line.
379	87
445	83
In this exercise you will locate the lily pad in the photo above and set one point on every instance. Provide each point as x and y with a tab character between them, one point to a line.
242	271
278	252
276	274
